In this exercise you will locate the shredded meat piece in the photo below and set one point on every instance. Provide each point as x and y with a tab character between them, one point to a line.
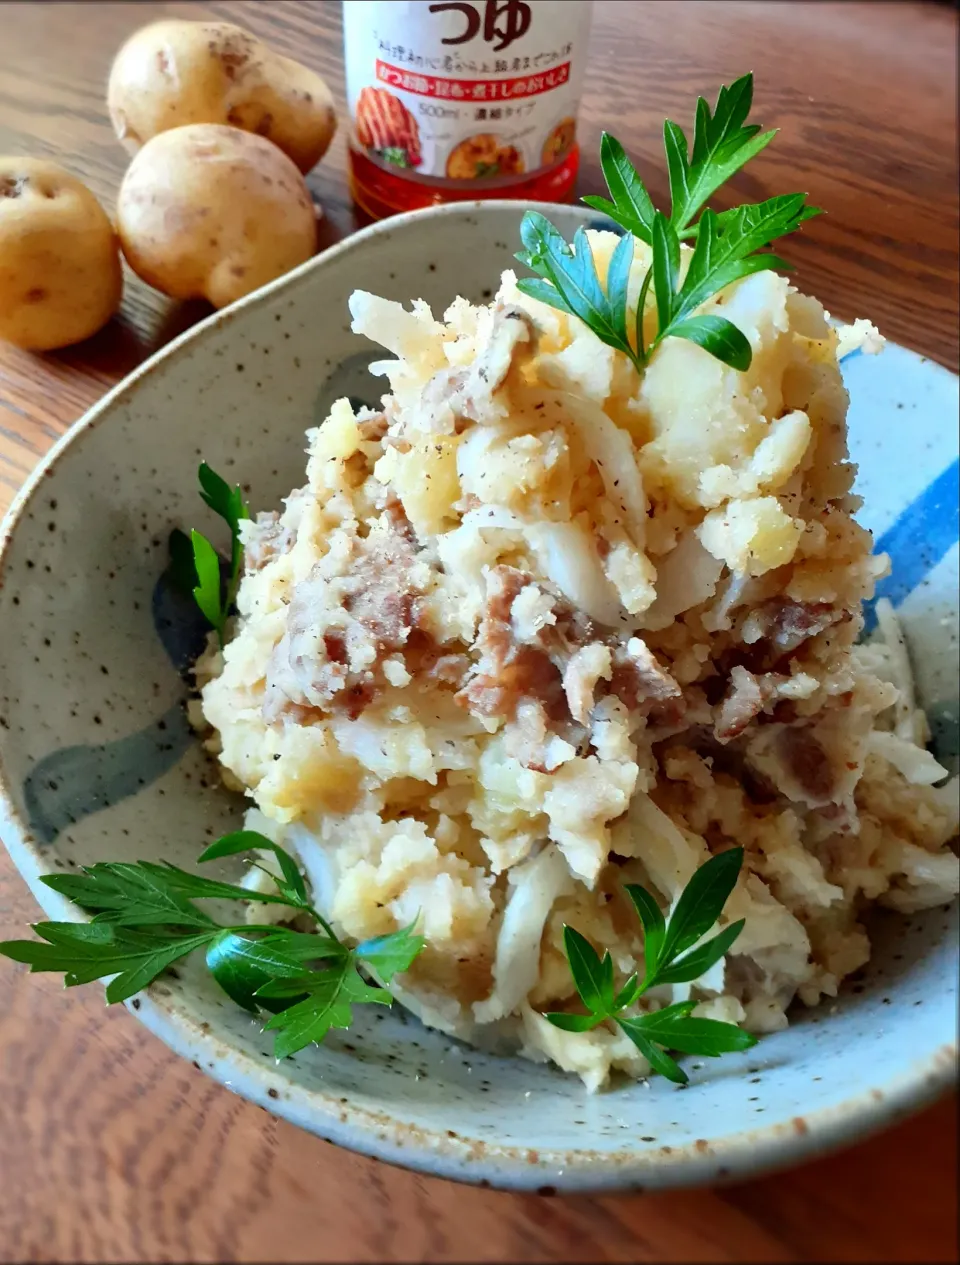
642	685
759	788
508	672
512	329
730	760
583	673
377	596
340	627
525	736
801	752
746	697
564	671
373	429
783	626
438	405
397	517
572	629
530	673
426	659
456	396
267	541
742	702
495	635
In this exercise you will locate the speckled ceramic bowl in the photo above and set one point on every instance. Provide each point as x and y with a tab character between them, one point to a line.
96	761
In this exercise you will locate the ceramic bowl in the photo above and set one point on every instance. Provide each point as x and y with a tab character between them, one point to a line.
97	762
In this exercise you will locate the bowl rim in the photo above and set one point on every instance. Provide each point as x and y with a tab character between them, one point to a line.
377	1134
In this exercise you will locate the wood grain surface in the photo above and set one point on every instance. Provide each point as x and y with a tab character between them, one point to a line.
113	1150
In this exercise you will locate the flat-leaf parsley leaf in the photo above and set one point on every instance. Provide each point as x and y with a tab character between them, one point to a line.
195	565
674	953
145	919
567	277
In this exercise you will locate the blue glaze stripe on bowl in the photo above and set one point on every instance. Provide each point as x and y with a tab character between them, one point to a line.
918	539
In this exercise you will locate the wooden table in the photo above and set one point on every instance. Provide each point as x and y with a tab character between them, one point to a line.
110	1148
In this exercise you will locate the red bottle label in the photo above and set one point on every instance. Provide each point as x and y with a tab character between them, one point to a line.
465	92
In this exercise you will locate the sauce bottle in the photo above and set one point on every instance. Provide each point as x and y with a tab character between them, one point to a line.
452	101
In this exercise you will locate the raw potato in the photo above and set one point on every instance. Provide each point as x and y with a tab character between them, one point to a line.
212	212
173	73
60	275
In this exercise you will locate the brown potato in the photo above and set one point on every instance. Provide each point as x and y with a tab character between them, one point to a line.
60	274
213	212
173	73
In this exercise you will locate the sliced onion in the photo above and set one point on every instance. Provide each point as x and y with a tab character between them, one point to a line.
612	449
569	558
536	884
566	556
686	576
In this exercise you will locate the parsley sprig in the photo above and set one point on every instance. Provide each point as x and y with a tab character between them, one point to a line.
674	953
195	564
724	249
145	919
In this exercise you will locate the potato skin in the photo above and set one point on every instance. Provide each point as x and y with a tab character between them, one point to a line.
60	274
213	212
173	73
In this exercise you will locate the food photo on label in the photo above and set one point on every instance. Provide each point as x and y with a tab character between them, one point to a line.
498	694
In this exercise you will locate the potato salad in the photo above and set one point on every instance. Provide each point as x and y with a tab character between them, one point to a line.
542	626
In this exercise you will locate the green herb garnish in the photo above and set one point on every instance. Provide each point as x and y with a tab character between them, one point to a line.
725	243
673	954
394	154
195	564
145	919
